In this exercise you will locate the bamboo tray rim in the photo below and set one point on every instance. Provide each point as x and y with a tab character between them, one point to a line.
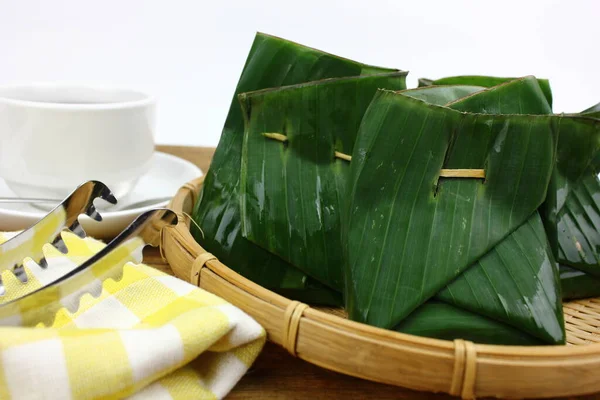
469	360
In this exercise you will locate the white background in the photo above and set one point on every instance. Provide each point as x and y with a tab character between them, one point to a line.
189	54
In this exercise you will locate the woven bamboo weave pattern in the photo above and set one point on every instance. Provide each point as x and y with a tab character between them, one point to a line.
582	319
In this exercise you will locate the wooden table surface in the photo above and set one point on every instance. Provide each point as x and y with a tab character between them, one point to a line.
278	375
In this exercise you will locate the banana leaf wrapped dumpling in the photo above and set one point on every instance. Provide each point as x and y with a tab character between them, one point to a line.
293	181
431	240
272	62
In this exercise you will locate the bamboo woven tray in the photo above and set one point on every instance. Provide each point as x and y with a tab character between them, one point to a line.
325	338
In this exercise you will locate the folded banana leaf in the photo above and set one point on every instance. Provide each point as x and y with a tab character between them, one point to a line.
492	288
571	209
577	284
443	321
292	189
272	62
578	227
518	96
579	224
502	283
578	220
420	233
485	81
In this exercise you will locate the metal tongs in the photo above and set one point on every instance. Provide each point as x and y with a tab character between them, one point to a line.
30	242
65	291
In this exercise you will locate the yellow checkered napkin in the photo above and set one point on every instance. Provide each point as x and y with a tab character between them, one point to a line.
147	336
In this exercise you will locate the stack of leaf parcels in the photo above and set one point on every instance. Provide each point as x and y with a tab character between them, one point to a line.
441	211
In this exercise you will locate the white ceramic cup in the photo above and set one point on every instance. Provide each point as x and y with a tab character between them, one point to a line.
54	137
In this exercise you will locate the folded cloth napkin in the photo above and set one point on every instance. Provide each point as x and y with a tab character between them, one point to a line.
147	335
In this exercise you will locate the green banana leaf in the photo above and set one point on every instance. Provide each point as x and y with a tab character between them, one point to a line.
516	283
439	227
292	193
485	81
442	95
577	284
519	96
493	287
272	62
443	321
569	228
579	225
502	283
578	221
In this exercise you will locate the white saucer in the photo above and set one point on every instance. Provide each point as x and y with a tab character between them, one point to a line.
166	175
